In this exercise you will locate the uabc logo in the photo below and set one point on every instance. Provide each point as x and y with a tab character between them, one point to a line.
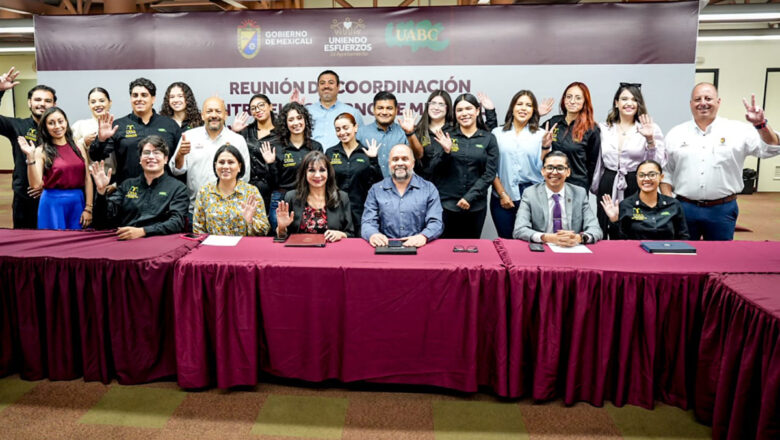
248	37
416	35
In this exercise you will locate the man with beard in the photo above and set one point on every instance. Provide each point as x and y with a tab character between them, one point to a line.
122	138
151	204
384	130
704	164
195	152
403	206
324	111
39	99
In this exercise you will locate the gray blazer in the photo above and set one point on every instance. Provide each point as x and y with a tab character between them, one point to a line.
534	209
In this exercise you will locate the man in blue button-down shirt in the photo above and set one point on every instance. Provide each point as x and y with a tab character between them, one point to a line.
384	130
403	206
324	111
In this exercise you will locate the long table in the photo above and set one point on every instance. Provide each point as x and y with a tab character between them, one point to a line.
624	325
341	312
83	304
738	373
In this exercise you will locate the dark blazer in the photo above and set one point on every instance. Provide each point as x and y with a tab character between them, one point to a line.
339	218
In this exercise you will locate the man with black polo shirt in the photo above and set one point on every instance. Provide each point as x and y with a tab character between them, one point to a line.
122	138
39	99
151	204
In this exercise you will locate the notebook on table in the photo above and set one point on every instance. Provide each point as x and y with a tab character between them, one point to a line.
305	240
668	247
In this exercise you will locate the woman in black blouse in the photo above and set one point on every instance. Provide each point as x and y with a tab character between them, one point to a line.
356	165
464	169
315	206
577	134
437	116
646	215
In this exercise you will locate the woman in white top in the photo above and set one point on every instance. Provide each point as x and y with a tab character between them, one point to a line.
85	130
520	144
628	138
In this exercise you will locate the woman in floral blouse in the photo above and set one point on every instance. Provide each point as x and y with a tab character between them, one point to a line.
315	206
229	206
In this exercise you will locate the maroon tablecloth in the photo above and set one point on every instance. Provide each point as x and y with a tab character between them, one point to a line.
738	374
76	304
618	324
436	318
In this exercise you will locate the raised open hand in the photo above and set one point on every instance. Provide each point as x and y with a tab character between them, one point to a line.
106	127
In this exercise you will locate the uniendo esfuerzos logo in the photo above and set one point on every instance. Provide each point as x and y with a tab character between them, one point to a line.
416	35
248	39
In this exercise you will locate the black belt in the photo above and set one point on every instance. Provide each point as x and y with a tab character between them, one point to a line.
707	203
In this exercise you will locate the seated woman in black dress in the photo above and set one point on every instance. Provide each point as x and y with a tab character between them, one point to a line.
648	214
315	206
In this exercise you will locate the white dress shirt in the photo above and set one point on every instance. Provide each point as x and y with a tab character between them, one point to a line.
199	163
537	237
707	165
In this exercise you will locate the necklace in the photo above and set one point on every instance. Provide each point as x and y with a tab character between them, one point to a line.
626	131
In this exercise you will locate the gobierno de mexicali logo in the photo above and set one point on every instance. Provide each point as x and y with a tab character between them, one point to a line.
416	35
248	38
347	38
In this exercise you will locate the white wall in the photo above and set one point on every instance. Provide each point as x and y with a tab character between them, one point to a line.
742	70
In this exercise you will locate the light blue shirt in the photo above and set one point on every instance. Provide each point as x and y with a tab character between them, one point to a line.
519	159
418	211
386	139
322	118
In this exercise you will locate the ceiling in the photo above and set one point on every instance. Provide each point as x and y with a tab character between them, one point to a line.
16	15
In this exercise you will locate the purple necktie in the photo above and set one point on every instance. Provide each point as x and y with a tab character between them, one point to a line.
557	224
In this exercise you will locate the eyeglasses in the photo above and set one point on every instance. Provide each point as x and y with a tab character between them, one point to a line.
650	175
152	153
437	104
559	168
258	107
469	249
637	85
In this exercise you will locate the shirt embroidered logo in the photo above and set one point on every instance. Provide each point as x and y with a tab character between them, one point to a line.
133	193
130	131
32	135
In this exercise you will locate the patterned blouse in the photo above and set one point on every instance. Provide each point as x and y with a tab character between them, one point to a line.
218	214
314	221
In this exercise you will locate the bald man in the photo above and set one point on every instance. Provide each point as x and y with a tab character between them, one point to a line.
403	206
705	157
121	138
195	152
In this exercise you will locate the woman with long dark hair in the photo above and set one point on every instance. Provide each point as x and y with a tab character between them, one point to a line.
520	142
259	130
315	206
179	104
627	138
576	134
284	157
436	116
61	168
356	165
464	170
229	206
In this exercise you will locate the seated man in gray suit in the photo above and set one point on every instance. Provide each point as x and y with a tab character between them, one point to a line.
555	211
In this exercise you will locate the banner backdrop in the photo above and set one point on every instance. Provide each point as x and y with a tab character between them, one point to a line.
408	51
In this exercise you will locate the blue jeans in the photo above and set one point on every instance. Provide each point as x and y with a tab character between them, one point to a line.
713	222
276	197
504	219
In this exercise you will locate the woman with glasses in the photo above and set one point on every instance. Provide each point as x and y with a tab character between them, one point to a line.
646	215
464	169
259	130
627	138
230	206
576	134
315	206
422	138
520	142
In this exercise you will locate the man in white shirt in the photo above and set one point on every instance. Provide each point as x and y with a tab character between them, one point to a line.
704	164
195	152
555	211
